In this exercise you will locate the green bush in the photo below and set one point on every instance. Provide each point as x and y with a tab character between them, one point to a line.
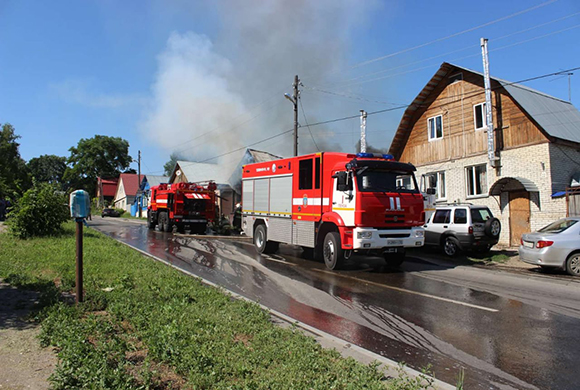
40	212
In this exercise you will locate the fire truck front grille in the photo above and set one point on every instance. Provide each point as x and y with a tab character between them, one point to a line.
396	235
395	218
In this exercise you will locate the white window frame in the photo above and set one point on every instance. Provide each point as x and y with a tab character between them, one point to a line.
434	118
485	190
440	191
484	116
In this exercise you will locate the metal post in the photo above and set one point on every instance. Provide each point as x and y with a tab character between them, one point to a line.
488	109
363	131
296	96
79	271
140	195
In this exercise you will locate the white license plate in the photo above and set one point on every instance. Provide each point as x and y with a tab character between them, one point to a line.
394	242
528	244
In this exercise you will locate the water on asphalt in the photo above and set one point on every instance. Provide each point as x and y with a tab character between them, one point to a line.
498	341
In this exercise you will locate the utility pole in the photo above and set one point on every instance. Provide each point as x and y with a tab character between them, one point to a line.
294	100
488	109
363	131
296	96
140	195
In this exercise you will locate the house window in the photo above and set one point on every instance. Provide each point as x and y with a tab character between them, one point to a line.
476	178
480	116
435	180
435	127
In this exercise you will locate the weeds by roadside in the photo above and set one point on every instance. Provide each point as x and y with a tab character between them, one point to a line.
145	325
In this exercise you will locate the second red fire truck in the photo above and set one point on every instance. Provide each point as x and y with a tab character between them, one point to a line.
182	205
333	205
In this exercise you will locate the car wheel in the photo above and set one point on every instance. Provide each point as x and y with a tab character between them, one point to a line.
492	227
451	246
332	252
573	264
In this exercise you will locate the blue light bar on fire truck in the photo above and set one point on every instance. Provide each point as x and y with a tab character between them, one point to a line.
376	155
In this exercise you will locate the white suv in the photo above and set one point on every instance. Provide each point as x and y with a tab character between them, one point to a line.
462	226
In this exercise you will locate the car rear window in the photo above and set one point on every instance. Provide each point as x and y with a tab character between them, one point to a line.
480	215
558	226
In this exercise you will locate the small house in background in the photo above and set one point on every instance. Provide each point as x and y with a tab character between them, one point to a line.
126	191
143	195
251	156
194	172
106	190
443	133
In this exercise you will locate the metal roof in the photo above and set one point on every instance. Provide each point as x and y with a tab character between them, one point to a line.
155	180
527	184
196	172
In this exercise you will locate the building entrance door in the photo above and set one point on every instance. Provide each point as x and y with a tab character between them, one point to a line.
519	215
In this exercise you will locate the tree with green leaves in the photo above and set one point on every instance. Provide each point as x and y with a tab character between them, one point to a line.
14	176
48	168
100	156
169	165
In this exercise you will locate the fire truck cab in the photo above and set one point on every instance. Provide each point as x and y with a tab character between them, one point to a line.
333	205
182	205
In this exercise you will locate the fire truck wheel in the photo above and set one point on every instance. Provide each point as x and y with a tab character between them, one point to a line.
150	223
164	224
332	251
261	241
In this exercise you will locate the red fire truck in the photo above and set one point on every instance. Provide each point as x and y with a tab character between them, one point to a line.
181	205
334	204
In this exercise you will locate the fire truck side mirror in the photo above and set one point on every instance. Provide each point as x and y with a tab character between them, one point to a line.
80	204
431	191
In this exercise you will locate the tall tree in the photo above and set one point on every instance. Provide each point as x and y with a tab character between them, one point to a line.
48	168
169	165
14	176
100	156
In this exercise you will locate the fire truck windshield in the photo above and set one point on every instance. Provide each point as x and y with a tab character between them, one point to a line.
384	180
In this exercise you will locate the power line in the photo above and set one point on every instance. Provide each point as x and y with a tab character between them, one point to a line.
310	131
465	48
461	58
453	35
379	112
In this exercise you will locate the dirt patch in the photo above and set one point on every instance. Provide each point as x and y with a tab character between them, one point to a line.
23	363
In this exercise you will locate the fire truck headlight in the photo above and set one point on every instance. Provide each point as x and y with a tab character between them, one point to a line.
362	235
420	233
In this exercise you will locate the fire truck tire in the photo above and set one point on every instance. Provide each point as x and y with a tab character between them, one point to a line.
261	241
164	224
150	223
332	252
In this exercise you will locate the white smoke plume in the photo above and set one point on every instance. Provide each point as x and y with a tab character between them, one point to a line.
231	87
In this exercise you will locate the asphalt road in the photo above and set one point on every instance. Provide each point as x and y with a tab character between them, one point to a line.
506	330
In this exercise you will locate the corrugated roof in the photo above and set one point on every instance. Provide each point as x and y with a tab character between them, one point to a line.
260	156
155	180
197	172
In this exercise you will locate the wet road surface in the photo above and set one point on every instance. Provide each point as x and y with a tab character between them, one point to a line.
505	330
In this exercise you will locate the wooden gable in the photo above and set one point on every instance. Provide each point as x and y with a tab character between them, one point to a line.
453	94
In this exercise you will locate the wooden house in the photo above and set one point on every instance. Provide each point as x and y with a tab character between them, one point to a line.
537	145
126	191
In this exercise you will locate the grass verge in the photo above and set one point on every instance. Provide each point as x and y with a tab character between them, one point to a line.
145	325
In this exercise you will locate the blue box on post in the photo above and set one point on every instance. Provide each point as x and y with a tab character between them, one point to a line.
80	204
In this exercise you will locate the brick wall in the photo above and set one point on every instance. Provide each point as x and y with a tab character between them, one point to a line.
538	163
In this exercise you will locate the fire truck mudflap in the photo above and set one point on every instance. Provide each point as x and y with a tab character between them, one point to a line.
334	205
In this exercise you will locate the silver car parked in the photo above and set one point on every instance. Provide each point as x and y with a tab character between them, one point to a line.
554	246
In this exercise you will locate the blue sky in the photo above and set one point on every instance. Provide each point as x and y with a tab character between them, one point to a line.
207	78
